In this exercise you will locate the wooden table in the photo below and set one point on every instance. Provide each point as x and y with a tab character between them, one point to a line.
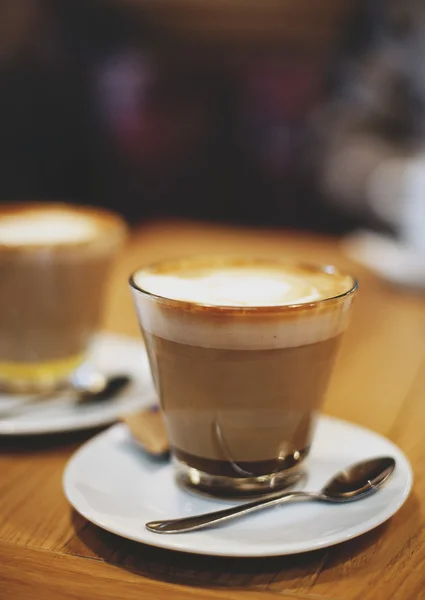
49	552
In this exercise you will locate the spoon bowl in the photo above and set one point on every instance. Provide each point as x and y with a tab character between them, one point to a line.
112	386
359	480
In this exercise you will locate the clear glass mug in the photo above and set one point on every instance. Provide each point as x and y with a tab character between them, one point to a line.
53	271
240	387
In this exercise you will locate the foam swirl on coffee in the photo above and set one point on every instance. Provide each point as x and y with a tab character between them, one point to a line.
243	285
241	304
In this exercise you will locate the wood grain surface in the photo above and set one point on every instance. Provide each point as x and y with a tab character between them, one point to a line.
49	552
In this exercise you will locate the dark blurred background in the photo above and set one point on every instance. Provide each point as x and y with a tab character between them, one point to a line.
174	108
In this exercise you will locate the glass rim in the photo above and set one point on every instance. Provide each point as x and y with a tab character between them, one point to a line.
222	308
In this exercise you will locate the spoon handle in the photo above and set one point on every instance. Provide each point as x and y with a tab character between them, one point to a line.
26	403
201	521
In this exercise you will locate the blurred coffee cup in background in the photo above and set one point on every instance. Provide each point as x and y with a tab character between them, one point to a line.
54	263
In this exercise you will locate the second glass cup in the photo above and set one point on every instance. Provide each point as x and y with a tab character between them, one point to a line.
54	263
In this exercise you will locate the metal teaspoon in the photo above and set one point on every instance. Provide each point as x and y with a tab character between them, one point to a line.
98	389
356	481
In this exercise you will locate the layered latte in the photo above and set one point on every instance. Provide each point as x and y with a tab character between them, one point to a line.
241	351
54	262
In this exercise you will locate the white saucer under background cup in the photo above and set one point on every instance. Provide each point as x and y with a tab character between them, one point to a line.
54	263
241	351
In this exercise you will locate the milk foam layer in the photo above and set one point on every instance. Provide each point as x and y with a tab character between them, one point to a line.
249	305
46	226
243	286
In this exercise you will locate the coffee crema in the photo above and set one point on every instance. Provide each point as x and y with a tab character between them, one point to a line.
243	303
241	284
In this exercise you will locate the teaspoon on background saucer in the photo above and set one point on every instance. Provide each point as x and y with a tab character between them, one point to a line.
104	390
97	388
353	483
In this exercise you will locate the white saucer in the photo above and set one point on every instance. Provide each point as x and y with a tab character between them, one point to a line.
387	257
112	483
110	354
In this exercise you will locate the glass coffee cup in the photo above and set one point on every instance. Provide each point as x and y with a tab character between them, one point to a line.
241	352
54	263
